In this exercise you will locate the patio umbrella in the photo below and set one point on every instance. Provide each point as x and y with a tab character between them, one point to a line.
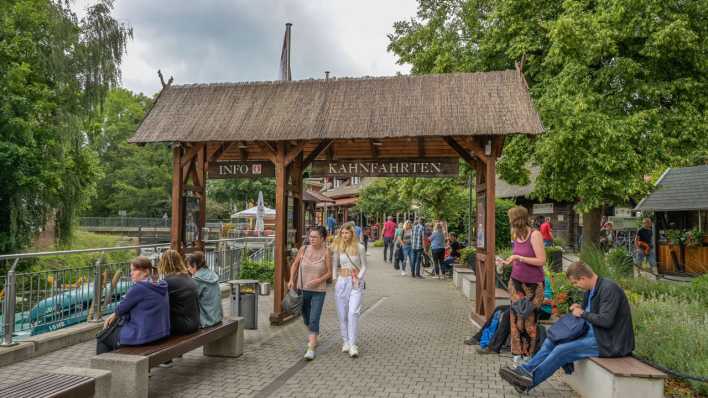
260	214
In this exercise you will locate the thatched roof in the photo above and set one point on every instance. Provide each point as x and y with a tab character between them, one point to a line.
461	104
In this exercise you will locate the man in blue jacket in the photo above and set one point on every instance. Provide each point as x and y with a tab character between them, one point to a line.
610	334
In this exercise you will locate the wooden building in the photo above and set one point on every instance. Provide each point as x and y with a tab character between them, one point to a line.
680	203
366	127
564	219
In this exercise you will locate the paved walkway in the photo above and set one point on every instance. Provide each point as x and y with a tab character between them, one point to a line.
410	344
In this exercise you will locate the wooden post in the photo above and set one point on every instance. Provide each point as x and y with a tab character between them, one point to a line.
200	187
177	199
490	266
296	174
281	231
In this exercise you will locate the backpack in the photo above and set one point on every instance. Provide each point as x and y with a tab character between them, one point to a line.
567	328
490	330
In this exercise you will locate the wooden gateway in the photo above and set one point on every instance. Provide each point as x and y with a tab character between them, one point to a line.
282	127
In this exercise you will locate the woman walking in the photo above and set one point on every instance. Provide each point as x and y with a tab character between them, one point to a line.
349	260
405	240
526	282
309	273
437	247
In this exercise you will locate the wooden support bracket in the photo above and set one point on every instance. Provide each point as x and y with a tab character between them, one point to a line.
322	146
461	151
478	150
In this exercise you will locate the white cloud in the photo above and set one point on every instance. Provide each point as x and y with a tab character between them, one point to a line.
240	40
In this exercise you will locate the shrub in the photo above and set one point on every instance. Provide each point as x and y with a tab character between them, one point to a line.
619	262
378	243
672	332
554	257
559	242
466	253
595	258
503	231
260	271
564	294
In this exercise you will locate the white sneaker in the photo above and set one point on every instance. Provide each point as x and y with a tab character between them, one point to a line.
345	347
403	273
517	360
310	354
354	351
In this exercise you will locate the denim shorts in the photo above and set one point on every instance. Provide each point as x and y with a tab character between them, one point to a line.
312	303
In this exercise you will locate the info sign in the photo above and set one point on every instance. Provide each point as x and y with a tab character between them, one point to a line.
420	167
241	169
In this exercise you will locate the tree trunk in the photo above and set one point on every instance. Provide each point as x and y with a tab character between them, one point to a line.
591	227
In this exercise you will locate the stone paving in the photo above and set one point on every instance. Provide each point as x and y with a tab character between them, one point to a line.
410	346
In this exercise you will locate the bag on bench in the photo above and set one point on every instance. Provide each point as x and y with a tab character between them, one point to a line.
566	329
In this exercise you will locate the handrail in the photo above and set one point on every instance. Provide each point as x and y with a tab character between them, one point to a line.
113	249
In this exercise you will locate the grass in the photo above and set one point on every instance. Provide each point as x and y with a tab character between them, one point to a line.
84	240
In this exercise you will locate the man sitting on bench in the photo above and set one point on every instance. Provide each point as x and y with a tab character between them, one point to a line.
610	333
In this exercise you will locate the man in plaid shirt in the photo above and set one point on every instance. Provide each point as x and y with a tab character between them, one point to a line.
417	246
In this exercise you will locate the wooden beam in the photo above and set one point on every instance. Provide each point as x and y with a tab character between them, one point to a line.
243	152
330	151
296	174
374	149
177	186
200	172
294	153
421	147
490	239
322	146
497	145
462	152
270	151
219	151
477	149
190	155
281	232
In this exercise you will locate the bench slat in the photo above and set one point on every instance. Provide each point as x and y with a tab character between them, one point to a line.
52	386
173	346
629	367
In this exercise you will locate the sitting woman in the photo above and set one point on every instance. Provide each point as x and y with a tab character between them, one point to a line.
183	291
143	316
210	312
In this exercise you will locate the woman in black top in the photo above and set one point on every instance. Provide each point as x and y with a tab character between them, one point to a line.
183	291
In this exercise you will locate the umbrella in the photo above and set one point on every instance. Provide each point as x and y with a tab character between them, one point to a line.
260	214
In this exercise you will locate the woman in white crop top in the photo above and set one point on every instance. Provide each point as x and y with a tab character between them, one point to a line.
349	263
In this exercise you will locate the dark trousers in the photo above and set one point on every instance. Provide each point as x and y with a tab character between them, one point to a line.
312	303
417	261
388	248
438	258
109	342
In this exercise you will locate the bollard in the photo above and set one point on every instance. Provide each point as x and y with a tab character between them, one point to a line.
8	308
97	285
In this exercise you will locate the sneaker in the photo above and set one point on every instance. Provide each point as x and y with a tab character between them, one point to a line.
516	377
484	351
167	364
471	341
403	273
345	347
309	354
353	351
517	360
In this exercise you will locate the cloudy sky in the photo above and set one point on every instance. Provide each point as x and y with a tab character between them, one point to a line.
211	41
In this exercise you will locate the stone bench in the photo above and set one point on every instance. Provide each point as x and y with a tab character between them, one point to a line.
616	378
130	366
65	382
457	273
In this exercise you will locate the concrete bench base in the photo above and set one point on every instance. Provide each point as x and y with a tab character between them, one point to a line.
591	380
457	273
129	374
469	286
228	346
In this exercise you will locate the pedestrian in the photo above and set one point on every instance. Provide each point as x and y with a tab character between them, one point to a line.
331	224
210	311
417	247
547	232
526	282
389	231
142	316
644	245
183	293
607	313
404	240
365	238
349	261
437	247
309	272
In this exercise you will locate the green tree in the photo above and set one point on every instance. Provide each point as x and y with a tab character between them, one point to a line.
54	73
136	179
381	197
239	193
620	85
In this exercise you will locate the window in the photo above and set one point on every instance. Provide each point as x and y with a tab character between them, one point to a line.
356	180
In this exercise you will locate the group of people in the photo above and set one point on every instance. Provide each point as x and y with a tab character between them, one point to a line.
605	310
175	298
313	266
408	243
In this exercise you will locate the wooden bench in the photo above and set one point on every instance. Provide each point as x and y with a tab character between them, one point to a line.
64	382
130	366
616	378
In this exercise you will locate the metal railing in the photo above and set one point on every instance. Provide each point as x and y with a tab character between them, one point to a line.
136	222
37	302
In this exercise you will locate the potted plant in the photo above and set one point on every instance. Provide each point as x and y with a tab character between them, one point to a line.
467	256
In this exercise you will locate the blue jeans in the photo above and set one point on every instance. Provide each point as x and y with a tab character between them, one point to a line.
547	243
312	303
417	260
639	257
407	255
552	357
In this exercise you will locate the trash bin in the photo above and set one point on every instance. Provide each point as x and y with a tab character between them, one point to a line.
244	301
